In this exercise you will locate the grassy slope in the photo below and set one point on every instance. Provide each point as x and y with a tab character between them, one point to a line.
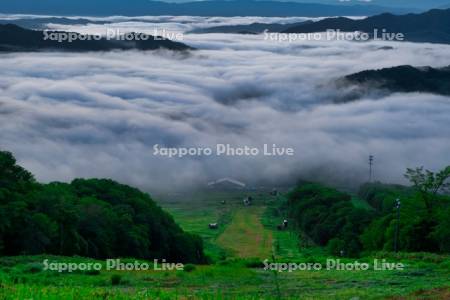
246	236
286	243
233	278
194	211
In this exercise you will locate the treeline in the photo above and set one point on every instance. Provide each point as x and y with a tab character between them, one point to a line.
330	218
420	228
92	218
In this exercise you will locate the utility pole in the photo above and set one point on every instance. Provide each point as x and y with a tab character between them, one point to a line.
370	167
397	228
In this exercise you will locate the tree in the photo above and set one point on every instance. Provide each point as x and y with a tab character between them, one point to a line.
95	218
12	176
428	184
441	232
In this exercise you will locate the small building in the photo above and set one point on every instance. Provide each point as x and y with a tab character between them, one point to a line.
248	201
213	226
283	226
227	184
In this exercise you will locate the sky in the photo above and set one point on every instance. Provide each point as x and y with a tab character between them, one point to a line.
399	3
117	7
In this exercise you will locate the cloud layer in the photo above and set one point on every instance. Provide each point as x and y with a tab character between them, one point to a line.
98	115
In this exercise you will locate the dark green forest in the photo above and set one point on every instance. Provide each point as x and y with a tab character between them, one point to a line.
95	218
330	218
100	218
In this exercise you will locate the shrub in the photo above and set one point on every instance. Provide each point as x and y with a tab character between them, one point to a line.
92	272
116	279
189	268
34	268
253	263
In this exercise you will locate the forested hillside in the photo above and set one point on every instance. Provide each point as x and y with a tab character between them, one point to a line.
96	218
330	218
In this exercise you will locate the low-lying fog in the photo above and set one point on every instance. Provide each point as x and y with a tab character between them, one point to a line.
67	115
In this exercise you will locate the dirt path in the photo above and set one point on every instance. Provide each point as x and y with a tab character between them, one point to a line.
246	236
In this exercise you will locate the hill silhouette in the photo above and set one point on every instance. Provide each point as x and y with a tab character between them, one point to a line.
14	38
405	79
432	26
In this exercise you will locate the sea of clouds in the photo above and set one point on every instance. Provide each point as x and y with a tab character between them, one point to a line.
68	115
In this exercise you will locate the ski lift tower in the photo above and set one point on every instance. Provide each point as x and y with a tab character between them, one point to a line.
371	159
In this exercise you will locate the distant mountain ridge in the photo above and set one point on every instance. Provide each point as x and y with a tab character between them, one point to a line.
16	39
421	4
253	28
195	8
432	26
41	23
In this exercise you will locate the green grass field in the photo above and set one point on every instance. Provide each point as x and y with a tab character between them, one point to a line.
245	237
